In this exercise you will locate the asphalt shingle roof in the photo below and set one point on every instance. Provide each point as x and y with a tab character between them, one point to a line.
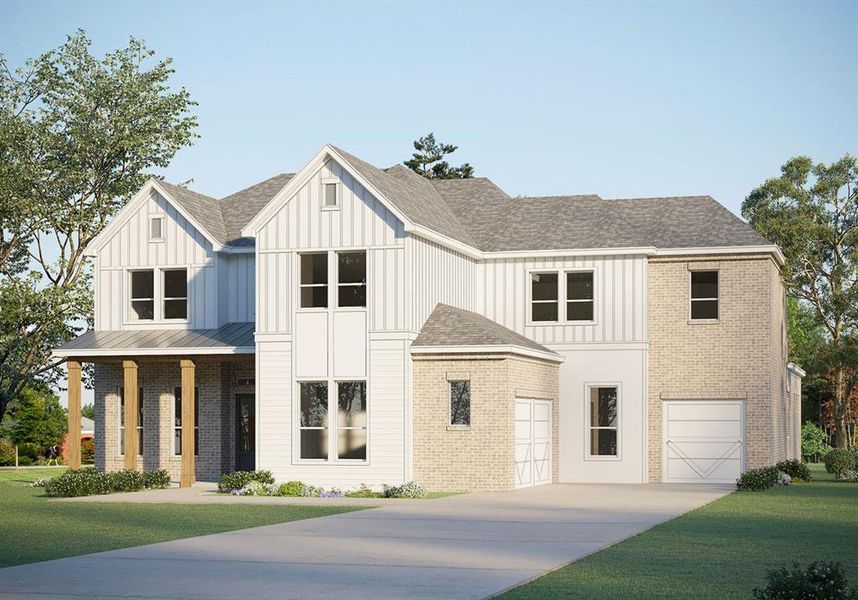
451	326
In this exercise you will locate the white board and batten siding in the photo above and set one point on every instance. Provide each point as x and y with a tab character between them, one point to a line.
129	248
294	344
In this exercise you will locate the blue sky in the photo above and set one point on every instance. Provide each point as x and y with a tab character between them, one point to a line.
619	99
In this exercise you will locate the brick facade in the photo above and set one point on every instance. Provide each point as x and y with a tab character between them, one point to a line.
482	456
741	356
216	380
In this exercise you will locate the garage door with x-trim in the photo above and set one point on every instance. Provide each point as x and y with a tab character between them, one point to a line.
532	442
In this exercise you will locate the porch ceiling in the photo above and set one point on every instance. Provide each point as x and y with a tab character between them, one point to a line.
232	338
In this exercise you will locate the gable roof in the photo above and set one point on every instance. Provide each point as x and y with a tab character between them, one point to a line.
239	208
454	329
205	209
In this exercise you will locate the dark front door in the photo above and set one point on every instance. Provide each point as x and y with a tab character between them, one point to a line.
245	432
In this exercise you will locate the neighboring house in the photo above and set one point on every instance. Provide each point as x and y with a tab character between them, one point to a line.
347	324
87	432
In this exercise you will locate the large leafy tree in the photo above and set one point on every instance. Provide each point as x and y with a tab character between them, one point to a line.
38	419
428	160
78	135
811	212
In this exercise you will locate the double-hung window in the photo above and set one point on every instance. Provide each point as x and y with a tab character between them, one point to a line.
579	296
314	280
704	295
122	421
351	279
175	294
177	421
143	295
544	297
342	438
159	299
604	420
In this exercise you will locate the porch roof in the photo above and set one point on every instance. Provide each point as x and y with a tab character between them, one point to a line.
232	338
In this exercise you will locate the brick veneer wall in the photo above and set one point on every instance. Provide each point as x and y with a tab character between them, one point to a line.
742	356
480	457
215	378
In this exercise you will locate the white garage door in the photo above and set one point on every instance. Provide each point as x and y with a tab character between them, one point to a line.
532	442
704	441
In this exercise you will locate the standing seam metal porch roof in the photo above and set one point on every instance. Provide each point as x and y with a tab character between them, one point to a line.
232	338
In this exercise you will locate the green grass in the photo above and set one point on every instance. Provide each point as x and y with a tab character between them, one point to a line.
722	550
33	528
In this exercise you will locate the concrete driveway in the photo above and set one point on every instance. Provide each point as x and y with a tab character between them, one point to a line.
469	546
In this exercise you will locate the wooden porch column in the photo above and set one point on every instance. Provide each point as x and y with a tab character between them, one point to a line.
188	373
73	439
129	369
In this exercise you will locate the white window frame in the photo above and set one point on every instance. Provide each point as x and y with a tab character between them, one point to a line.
175	427
531	301
140	407
157	299
561	297
331	181
156	217
130	318
333	424
692	300
451	378
327	284
364	285
164	297
566	300
588	456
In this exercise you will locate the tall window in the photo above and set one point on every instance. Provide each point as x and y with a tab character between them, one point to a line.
314	420
351	420
177	421
351	279
314	280
604	421
704	294
143	295
176	294
543	297
460	403
122	421
579	296
156	229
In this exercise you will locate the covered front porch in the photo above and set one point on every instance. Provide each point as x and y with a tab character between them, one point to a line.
187	409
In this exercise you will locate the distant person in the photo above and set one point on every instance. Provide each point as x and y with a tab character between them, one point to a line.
53	454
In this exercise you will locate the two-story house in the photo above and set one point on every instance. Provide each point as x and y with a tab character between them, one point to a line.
347	324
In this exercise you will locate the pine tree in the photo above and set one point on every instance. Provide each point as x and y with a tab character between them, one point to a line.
428	160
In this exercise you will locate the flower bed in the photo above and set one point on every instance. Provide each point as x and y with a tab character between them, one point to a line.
89	481
261	483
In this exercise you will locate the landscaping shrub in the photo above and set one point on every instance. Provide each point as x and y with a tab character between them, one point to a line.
795	469
331	493
850	476
87	451
364	491
756	480
411	489
290	488
840	460
156	480
310	491
7	453
84	482
35	453
821	580
125	481
253	488
813	442
235	481
23	461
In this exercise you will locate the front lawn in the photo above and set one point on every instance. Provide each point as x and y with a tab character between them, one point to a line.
721	550
32	528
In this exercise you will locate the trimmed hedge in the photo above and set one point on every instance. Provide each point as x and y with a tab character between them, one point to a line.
795	469
235	481
821	580
757	480
90	482
840	460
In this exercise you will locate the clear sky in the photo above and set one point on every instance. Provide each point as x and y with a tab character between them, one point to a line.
618	99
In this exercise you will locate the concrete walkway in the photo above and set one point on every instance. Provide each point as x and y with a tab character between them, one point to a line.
468	546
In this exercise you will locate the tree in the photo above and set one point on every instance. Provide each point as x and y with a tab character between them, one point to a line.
78	135
428	160
811	212
38	419
88	411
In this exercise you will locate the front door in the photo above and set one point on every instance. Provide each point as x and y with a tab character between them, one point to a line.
245	432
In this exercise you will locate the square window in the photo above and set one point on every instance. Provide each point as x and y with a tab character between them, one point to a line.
460	403
704	295
314	281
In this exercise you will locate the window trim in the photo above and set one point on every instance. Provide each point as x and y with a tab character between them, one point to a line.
178	455
157	319
531	301
452	378
333	425
130	299
336	182
588	385
566	300
691	299
153	217
120	394
561	297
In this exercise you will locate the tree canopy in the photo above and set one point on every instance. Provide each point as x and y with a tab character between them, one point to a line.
78	136
428	160
811	212
38	419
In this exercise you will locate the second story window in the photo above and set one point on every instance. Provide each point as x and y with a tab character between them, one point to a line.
704	295
176	294
314	280
143	295
579	296
351	279
543	297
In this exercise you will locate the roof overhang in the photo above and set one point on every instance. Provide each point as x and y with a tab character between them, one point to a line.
762	249
794	368
489	349
125	352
